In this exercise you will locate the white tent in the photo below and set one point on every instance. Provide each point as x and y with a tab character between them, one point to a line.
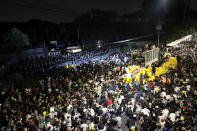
176	42
74	49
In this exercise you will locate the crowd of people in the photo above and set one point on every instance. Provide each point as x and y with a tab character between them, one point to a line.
39	65
94	97
186	49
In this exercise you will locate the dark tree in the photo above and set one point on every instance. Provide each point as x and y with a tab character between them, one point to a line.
14	38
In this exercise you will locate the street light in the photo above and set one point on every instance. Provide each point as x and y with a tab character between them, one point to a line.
158	28
99	44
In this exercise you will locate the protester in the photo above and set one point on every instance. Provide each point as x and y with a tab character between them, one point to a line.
93	96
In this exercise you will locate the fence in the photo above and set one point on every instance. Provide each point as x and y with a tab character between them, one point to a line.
151	56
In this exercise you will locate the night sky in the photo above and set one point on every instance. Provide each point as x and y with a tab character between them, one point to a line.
63	10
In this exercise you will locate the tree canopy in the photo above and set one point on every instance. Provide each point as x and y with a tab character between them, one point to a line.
14	38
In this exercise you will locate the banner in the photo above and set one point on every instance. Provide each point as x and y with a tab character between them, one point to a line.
170	64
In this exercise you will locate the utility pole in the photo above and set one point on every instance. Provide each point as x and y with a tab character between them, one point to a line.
78	34
186	8
158	38
158	28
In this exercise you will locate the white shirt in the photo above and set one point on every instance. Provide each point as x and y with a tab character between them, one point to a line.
168	97
69	107
175	97
145	111
139	108
177	113
91	126
92	113
188	87
67	117
104	110
172	117
162	124
163	94
104	129
177	89
52	109
131	107
119	119
49	125
76	116
132	100
165	113
120	99
84	127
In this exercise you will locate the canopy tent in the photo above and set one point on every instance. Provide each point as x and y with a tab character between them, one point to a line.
176	42
74	49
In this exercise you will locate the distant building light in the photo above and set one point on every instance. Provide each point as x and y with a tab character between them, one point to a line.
53	42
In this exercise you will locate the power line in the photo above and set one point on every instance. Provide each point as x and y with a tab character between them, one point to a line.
24	5
35	11
49	4
40	11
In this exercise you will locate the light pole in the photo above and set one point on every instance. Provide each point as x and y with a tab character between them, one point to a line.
158	28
